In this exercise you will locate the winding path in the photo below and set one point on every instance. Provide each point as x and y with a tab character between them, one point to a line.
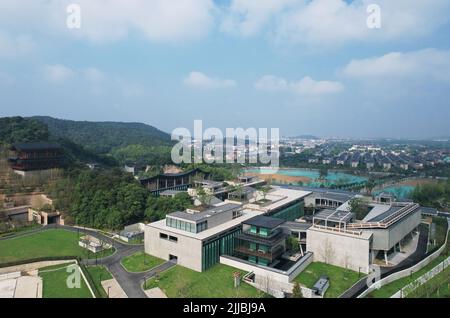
131	283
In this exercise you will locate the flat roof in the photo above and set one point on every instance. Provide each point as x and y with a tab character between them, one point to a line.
301	226
279	197
246	214
199	216
264	221
334	215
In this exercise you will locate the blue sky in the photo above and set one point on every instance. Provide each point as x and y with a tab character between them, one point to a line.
306	67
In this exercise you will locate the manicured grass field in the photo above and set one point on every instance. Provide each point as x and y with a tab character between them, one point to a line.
390	289
55	283
99	274
341	279
216	282
49	243
140	262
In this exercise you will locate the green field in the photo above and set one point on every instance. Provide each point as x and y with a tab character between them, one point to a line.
49	243
55	283
341	279
216	282
140	262
390	289
437	287
99	274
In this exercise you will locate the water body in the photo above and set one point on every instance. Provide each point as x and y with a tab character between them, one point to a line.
332	179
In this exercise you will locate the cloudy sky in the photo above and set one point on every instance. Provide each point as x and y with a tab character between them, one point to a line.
304	66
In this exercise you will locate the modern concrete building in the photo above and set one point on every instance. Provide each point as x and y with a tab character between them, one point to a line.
282	203
337	238
390	225
196	240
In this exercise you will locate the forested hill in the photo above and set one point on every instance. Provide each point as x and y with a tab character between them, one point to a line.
103	137
18	129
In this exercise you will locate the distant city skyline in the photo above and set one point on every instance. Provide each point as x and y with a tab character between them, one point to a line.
306	67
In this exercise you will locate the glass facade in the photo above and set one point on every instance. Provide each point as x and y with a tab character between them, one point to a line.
291	213
221	245
186	226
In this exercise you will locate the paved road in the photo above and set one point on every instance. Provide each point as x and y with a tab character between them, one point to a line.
130	282
414	258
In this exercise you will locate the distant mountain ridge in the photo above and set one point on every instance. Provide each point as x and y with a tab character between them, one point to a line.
103	137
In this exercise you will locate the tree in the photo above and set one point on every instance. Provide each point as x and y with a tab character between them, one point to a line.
359	207
323	173
297	291
293	244
370	185
327	252
204	196
264	190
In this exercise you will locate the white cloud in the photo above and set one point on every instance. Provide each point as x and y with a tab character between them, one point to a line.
334	22
248	17
110	20
305	87
58	73
200	80
417	65
15	46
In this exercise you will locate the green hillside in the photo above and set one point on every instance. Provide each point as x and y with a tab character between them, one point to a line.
104	137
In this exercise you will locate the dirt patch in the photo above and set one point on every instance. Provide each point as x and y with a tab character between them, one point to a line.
280	178
416	182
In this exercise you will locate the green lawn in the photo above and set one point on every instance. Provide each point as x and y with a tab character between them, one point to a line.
20	230
216	282
437	287
99	274
140	262
55	283
390	289
49	243
341	279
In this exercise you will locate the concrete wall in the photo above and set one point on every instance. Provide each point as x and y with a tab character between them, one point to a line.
347	251
271	281
385	239
187	249
405	272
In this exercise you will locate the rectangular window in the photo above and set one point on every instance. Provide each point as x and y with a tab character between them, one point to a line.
253	230
262	261
163	236
263	249
252	247
173	239
252	259
263	232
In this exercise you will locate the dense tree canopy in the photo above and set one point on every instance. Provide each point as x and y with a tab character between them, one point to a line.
110	199
158	207
101	199
18	129
435	195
